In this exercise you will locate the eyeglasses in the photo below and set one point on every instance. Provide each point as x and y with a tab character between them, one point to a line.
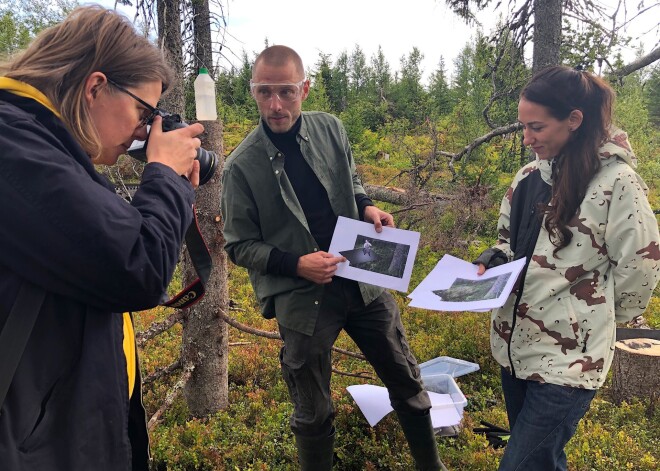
153	112
286	92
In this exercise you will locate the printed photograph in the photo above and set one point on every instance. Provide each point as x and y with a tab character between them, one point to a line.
463	290
378	256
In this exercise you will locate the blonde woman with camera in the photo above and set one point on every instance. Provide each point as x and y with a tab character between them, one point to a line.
74	255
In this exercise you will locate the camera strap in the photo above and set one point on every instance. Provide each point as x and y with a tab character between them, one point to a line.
202	263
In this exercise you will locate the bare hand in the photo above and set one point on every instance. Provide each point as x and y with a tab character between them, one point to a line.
318	267
193	176
481	269
177	148
378	217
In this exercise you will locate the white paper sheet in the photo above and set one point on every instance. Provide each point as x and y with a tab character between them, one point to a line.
374	403
383	259
453	285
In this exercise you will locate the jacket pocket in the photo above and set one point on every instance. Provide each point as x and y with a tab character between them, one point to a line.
407	352
41	421
566	329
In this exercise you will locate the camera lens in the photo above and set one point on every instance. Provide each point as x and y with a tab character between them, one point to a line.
208	161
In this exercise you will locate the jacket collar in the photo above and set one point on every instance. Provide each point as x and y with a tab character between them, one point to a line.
28	91
271	150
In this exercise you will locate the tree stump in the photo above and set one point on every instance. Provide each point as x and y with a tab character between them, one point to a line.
636	370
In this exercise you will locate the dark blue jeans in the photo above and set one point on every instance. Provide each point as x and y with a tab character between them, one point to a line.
543	418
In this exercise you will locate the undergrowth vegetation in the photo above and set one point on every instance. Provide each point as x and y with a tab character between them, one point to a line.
253	432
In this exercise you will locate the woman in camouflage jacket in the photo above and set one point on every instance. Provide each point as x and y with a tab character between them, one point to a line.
580	216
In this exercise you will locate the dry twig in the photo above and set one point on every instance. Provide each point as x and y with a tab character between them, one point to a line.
169	369
158	328
171	396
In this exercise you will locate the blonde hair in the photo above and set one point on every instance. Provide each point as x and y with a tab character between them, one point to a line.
59	60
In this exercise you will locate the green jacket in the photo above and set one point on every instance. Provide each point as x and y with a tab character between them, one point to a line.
261	212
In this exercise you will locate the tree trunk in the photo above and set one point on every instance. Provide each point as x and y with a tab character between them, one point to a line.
202	27
204	342
635	369
398	261
169	39
547	33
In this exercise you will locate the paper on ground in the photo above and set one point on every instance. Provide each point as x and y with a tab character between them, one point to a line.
453	285
386	261
374	402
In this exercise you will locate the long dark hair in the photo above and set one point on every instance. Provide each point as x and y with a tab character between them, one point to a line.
561	90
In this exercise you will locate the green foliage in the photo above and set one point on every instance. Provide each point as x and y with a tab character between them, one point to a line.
20	21
611	437
317	100
632	114
13	36
440	99
584	44
408	94
652	95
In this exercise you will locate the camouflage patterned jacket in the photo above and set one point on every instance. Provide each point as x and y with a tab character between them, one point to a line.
563	331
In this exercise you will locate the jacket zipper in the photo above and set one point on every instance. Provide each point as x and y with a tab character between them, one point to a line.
523	275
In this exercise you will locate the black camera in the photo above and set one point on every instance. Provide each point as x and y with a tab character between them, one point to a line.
208	160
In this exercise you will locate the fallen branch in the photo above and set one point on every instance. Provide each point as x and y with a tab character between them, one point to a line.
171	396
355	375
162	372
507	129
246	328
637	64
158	328
275	335
409	208
400	196
387	194
349	353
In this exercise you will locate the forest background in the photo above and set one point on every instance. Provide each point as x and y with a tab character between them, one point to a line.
409	140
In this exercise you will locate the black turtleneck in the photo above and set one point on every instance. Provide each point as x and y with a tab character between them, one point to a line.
312	196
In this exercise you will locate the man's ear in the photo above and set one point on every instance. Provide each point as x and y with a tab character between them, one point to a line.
575	119
305	92
93	85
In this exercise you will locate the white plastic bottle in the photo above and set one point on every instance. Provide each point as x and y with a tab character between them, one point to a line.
205	96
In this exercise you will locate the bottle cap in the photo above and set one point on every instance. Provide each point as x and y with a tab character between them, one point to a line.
203	70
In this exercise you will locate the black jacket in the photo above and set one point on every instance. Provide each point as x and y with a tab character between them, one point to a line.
64	229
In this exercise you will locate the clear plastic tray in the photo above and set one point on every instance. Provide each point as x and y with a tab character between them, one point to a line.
445	384
447	366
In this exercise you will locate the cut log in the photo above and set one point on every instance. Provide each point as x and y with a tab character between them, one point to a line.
636	370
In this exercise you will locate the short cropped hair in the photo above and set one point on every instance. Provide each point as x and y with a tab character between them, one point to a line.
279	56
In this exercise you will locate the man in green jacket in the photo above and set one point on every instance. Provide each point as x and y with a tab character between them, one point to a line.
283	188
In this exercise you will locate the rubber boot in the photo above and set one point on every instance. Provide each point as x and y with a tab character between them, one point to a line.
421	440
315	454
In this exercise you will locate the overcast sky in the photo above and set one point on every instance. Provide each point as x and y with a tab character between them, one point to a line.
334	26
330	27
